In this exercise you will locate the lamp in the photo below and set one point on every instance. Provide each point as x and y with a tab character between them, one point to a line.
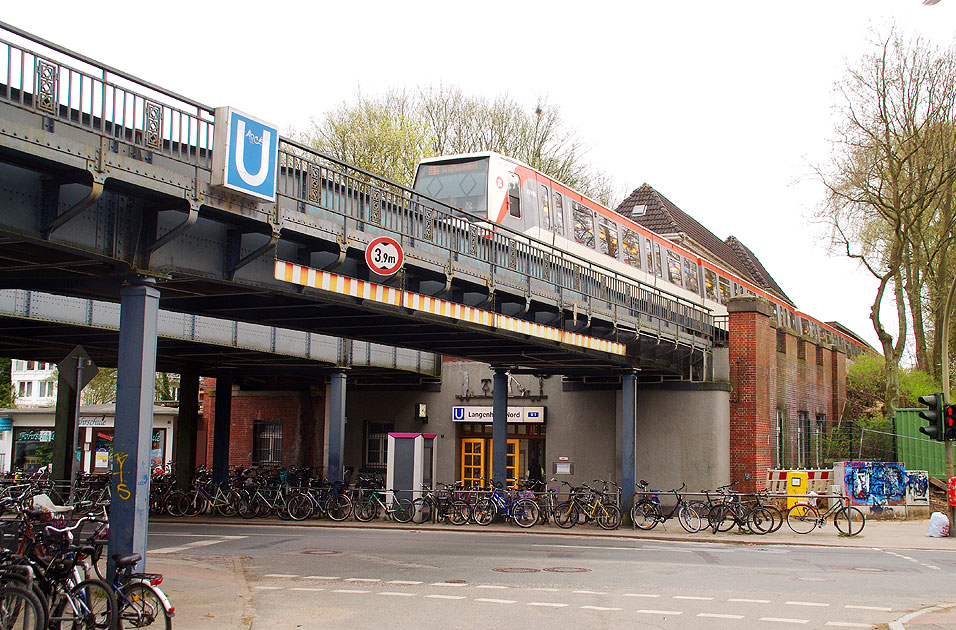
421	412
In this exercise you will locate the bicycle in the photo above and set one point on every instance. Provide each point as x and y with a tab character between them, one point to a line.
140	602
371	505
524	512
647	513
589	505
803	518
438	505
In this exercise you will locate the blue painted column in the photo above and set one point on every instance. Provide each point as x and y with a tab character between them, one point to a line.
335	428
221	427
628	438
499	428
133	431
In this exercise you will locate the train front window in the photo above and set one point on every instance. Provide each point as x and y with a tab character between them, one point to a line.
459	183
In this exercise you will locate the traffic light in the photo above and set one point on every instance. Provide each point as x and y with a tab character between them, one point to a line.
936	429
949	417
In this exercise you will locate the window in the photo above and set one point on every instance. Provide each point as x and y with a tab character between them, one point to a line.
802	349
558	207
690	276
710	284
267	442
32	448
376	444
583	224
607	236
819	355
673	268
724	289
781	342
25	389
649	248
804	325
514	195
803	439
658	262
819	433
632	248
46	389
778	441
544	199
639	210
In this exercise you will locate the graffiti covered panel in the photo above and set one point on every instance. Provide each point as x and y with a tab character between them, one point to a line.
875	483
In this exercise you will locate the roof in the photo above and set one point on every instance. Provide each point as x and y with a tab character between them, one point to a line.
660	215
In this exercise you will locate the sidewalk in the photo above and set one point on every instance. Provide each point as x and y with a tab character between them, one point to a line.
216	591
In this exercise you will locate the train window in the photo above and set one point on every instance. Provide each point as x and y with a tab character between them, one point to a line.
544	198
690	276
791	321
514	195
724	285
583	224
649	248
607	236
632	248
558	219
673	268
658	261
460	183
710	284
804	326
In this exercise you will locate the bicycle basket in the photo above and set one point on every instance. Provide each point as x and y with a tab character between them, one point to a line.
525	494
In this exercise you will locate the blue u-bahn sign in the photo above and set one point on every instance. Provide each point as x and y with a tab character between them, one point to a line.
246	154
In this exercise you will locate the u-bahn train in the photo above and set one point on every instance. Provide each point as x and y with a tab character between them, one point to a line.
507	192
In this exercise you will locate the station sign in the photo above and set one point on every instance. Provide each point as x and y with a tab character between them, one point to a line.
245	155
384	256
533	415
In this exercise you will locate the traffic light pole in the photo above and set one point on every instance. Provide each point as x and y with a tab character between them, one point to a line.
948	446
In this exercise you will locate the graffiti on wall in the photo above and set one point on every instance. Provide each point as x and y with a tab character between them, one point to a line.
877	484
917	487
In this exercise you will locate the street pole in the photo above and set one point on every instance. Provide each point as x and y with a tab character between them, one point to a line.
77	452
949	446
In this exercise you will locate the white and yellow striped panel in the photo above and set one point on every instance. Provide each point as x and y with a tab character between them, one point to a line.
343	285
444	308
527	328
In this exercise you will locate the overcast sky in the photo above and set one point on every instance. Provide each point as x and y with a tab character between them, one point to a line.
721	106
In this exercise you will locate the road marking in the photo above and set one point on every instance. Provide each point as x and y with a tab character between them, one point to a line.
589	592
397	594
279	575
409	582
321	577
495	601
820	604
223	536
194	545
693	597
932	566
603	548
445	596
749	601
268	588
310	589
346	590
847	624
547	590
659	612
720	616
547	604
447	584
784	620
601	608
502	588
363	580
879	608
640	595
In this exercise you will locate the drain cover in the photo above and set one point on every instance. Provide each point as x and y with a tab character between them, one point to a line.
566	569
516	570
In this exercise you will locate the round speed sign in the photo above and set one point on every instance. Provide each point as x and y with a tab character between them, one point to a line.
384	256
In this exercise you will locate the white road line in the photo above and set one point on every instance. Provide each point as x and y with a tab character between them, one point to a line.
847	624
640	595
589	592
693	597
446	584
321	577
495	586
720	616
495	601
268	588
192	545
659	612
409	582
279	575
879	608
547	604
371	580
601	608
784	620
599	548
546	590
223	536
310	589
749	601
819	604
397	594
932	566
346	590
445	596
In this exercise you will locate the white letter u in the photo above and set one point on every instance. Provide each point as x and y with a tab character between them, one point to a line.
257	179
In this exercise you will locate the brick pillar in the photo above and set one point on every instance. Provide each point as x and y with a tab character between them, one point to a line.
752	353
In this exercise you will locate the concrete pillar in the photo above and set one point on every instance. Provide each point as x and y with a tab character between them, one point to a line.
499	428
628	438
187	428
335	427
133	431
64	421
220	432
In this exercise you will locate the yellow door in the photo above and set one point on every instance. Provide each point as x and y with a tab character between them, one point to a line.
511	462
472	461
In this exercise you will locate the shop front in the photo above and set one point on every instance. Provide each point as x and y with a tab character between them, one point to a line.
525	445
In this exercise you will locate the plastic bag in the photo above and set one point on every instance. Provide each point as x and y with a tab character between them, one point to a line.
938	525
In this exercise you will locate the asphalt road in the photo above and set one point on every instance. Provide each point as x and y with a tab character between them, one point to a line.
365	578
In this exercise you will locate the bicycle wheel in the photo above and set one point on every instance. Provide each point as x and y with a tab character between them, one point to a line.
142	608
88	605
722	518
485	511
226	505
566	514
338	507
175	503
246	507
802	518
459	513
525	513
422	509
196	503
760	520
645	515
366	511
777	517
689	519
20	609
402	510
299	506
850	520
610	518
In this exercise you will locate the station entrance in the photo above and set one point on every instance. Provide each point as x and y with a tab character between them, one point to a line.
526	450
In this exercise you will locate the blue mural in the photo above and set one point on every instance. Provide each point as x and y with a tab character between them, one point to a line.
876	484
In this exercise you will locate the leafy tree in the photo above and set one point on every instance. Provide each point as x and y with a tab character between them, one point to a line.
102	389
7	398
